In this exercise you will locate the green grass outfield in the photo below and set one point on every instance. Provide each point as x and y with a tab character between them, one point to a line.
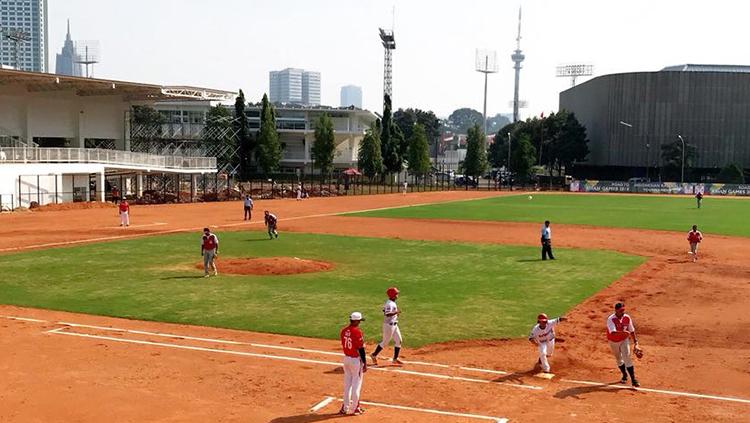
726	216
449	291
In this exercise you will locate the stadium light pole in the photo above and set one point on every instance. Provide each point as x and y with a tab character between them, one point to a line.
682	171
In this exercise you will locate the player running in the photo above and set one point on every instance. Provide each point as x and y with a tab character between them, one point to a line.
694	238
271	222
619	329
355	364
543	336
209	251
390	327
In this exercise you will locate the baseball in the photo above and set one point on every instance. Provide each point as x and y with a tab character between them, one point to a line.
530	197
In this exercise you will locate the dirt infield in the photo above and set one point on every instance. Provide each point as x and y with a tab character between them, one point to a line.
690	319
269	266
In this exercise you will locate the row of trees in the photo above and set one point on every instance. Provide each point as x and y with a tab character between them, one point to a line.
398	141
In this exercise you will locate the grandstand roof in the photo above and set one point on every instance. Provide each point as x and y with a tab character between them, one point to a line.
707	68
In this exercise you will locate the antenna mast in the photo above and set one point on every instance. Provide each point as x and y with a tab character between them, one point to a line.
517	58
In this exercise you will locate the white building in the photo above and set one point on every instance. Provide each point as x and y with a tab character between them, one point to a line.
351	95
30	18
294	86
47	122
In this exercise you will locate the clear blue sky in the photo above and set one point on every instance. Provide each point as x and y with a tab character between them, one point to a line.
231	44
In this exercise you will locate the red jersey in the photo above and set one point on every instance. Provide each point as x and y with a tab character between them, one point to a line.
124	206
616	326
695	236
210	242
352	340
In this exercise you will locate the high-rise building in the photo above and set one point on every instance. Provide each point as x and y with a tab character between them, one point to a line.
311	88
351	95
66	62
294	85
29	19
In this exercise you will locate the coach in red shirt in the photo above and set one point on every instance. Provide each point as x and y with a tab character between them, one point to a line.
355	364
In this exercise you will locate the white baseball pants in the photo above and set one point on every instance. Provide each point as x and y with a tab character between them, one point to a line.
124	219
546	349
391	332
621	351
353	377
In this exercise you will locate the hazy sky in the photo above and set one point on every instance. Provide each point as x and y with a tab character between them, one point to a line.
232	44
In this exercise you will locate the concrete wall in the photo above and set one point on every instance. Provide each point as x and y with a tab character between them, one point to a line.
711	110
40	181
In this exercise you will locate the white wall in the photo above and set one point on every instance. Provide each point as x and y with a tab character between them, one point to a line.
10	174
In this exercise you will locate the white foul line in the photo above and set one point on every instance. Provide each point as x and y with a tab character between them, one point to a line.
572	381
281	357
315	408
431	411
658	391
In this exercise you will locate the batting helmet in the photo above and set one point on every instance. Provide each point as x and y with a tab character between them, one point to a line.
391	292
541	318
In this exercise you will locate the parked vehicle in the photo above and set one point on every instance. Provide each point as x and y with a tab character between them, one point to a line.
462	180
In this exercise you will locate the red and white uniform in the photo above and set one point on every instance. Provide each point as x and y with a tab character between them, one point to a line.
124	209
545	340
694	238
390	325
352	340
618	335
209	245
271	222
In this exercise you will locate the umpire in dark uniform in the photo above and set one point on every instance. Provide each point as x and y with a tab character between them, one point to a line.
547	241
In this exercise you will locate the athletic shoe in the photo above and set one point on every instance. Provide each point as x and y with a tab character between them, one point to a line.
398	362
624	380
359	411
636	384
343	410
216	273
374	360
206	275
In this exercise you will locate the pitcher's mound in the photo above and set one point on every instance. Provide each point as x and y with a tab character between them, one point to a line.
268	266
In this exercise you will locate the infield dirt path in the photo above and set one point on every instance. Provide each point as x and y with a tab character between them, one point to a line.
690	318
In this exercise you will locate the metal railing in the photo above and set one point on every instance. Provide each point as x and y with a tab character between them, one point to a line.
114	157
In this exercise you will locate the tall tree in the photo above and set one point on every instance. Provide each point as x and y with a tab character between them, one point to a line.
243	136
324	146
475	163
369	158
269	148
571	142
522	158
392	141
671	157
405	120
419	158
495	123
461	120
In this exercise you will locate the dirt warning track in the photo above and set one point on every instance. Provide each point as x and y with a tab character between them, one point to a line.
71	367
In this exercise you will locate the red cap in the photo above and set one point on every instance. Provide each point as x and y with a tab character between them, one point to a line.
391	292
541	318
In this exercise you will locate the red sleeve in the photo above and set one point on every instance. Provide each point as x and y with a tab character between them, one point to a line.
359	341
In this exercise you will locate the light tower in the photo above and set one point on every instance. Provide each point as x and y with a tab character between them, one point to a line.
517	58
17	37
88	54
389	44
574	71
486	63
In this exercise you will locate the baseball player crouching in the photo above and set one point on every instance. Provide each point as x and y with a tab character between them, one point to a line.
355	364
271	222
543	336
390	327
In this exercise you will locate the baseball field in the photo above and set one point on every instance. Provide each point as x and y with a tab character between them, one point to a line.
102	323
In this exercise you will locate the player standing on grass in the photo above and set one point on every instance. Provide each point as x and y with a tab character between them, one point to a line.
124	209
209	251
543	336
694	238
248	203
699	198
619	329
546	241
355	364
390	327
271	222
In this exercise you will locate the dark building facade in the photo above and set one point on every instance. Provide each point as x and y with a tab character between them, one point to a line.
629	116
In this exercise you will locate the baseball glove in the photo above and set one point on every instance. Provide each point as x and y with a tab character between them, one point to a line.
638	351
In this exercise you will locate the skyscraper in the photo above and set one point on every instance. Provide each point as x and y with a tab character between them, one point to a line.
294	85
351	95
65	64
30	18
